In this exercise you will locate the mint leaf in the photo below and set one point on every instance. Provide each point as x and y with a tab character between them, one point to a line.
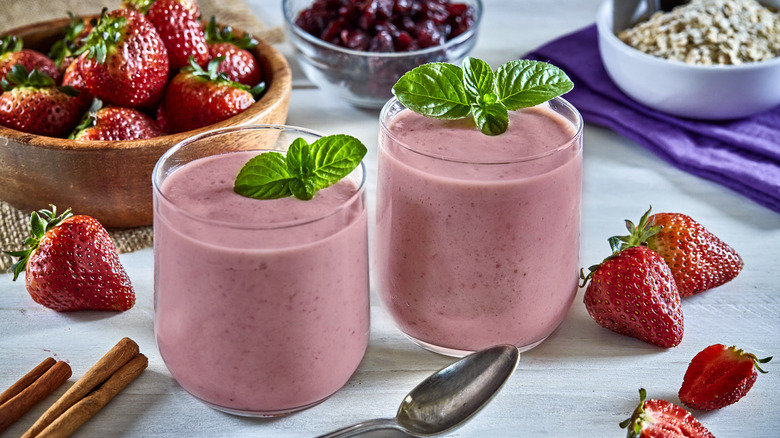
478	78
525	83
445	91
305	168
492	118
434	90
264	177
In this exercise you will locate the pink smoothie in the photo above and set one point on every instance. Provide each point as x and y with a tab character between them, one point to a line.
472	255
261	306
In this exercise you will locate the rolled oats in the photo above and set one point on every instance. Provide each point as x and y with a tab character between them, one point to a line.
707	32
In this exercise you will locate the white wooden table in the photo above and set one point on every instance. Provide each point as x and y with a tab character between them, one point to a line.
581	382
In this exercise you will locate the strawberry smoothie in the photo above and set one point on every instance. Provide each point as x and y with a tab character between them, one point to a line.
477	237
261	306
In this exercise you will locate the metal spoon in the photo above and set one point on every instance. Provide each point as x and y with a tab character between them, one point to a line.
447	398
626	13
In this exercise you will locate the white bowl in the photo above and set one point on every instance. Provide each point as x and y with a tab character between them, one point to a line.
717	92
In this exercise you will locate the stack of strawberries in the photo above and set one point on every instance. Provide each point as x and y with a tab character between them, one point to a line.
147	69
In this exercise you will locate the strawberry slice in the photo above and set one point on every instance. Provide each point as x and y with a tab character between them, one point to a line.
661	419
72	265
719	376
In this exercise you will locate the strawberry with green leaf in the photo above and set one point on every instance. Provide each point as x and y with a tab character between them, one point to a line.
126	62
63	51
657	418
177	23
31	102
208	96
240	64
719	376
71	264
13	53
115	124
699	259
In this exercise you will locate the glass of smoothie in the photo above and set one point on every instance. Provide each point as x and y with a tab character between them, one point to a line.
261	306
477	236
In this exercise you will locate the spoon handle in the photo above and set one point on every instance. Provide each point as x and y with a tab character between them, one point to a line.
366	426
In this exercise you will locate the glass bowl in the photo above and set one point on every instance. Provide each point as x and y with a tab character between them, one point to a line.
364	78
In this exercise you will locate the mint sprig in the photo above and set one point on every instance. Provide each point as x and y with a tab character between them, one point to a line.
446	91
302	171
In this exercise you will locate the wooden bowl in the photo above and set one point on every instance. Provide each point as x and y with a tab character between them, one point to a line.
111	180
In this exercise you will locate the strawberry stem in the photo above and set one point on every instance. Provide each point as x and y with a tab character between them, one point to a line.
41	222
634	423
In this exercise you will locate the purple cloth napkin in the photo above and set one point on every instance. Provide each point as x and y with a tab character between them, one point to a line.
743	155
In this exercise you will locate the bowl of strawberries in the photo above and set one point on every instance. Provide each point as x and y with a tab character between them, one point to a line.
89	104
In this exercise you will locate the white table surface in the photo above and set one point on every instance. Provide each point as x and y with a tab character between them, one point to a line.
582	381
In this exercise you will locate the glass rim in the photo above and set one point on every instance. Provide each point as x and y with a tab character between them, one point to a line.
579	125
157	174
465	36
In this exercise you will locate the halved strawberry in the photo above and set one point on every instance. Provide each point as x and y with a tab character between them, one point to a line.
72	265
699	260
656	418
719	376
633	293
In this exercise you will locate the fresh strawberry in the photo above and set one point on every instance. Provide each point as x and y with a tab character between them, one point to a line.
656	418
32	103
126	63
699	260
63	51
12	53
719	376
72	77
240	64
71	264
115	124
633	293
177	23
208	96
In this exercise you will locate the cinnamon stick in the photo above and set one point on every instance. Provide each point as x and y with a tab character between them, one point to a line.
118	356
27	380
19	404
85	408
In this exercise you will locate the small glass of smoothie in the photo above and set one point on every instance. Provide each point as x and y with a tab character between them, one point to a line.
478	236
261	306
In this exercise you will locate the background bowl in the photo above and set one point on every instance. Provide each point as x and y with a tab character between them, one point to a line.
110	180
715	92
366	79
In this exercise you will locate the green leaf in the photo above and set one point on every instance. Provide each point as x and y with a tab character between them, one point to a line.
434	90
491	118
478	78
305	168
525	83
264	177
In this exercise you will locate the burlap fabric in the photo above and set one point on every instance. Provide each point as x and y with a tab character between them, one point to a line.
14	224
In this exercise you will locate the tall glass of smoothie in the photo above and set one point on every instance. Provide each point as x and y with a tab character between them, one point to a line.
477	236
261	306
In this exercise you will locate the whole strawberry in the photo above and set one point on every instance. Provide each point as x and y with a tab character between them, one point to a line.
633	293
63	51
699	260
126	63
12	53
72	77
115	124
208	96
719	376
32	103
72	265
177	23
661	419
240	64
